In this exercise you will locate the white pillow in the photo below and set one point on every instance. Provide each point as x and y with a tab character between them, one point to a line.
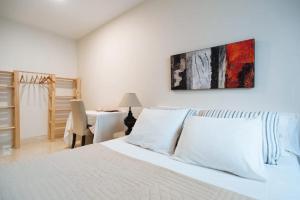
167	108
191	111
158	129
289	133
232	145
271	147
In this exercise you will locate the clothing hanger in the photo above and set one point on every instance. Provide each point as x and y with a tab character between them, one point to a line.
44	80
40	80
32	79
26	78
50	79
22	78
36	77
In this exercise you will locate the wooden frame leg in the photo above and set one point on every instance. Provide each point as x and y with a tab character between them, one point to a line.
73	140
83	140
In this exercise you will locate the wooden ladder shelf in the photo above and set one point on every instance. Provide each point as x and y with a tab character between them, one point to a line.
11	111
58	105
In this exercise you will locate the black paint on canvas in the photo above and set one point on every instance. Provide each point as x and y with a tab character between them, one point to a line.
178	72
214	57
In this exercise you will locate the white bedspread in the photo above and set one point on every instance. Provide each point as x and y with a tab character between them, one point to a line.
283	180
97	172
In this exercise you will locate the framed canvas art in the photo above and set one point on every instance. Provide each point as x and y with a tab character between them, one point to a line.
225	66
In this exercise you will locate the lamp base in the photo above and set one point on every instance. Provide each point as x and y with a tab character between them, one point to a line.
129	121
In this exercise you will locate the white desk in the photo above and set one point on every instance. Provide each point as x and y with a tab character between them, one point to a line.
104	125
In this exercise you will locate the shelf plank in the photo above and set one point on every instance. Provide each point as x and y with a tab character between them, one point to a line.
65	97
6	107
63	109
5	73
6	86
6	78
65	79
59	121
59	135
63	127
6	128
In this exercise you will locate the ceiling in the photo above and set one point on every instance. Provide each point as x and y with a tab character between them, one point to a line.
70	18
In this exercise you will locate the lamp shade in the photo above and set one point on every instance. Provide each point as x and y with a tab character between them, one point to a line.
130	100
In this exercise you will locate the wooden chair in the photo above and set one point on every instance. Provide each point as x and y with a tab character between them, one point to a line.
80	123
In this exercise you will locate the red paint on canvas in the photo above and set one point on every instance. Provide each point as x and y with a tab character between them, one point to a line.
240	64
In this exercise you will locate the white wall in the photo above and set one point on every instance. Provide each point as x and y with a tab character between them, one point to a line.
25	48
132	53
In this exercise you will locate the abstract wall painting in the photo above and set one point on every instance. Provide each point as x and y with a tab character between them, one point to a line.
226	66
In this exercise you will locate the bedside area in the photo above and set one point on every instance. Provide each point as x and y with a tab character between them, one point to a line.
118	134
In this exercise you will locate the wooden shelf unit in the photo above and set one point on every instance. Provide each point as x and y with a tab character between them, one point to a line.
60	104
10	103
9	89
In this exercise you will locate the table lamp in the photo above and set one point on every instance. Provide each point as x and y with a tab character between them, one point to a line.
130	100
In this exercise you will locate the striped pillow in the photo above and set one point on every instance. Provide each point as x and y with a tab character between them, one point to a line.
271	150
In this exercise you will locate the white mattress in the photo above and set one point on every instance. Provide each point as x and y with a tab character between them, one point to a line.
283	180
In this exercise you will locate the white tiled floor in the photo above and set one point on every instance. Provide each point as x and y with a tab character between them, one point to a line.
32	148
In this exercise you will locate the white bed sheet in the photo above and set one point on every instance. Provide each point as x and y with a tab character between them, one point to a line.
283	180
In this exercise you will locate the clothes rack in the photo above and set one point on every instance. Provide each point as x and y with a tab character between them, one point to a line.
58	105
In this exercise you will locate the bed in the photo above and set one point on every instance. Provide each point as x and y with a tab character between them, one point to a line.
283	179
118	170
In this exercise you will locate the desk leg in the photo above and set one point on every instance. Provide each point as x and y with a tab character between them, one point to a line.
73	140
83	140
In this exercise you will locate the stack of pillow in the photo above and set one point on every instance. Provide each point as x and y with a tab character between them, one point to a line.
233	141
